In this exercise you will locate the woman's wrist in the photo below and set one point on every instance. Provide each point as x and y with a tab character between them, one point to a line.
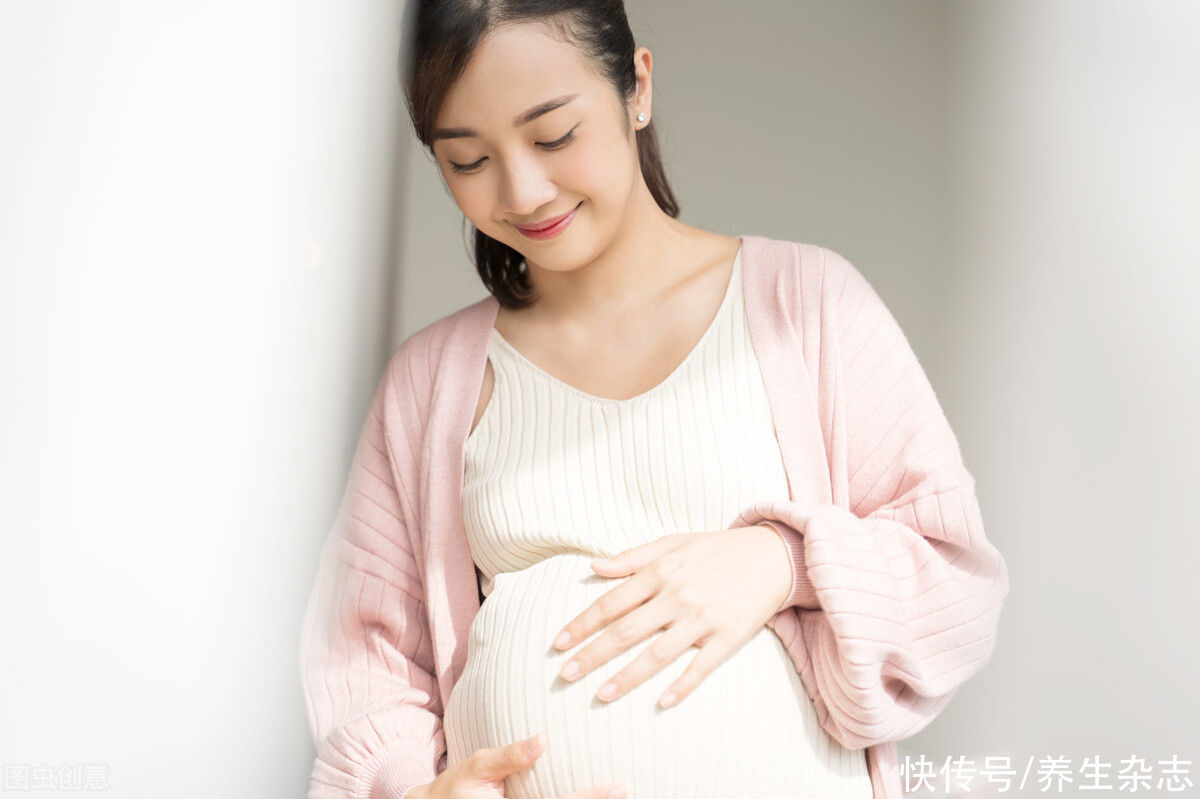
801	592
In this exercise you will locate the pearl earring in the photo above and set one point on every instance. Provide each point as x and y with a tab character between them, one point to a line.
641	117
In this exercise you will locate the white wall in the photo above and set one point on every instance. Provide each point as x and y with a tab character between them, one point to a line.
196	222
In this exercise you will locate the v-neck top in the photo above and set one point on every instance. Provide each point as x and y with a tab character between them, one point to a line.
555	477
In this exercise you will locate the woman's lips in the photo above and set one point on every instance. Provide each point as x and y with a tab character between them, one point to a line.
553	228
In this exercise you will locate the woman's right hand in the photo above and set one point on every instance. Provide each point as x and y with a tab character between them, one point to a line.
481	775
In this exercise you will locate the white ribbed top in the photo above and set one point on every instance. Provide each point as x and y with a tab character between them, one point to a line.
556	477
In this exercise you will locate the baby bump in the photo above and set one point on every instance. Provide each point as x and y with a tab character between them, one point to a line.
747	729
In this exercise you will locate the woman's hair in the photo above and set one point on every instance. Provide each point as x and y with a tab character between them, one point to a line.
440	41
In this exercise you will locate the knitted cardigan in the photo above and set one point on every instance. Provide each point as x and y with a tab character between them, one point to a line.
896	592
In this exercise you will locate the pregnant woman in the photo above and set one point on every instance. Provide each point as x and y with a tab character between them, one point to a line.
678	509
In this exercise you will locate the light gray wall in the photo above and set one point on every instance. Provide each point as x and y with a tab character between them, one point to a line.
1069	359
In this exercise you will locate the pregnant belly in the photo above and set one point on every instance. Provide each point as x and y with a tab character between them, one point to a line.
748	729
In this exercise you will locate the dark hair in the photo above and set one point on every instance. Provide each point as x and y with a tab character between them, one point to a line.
441	38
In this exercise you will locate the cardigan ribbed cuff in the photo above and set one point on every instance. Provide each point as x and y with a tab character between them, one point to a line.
392	775
803	594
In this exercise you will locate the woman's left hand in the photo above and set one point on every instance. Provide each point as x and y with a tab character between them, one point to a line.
714	590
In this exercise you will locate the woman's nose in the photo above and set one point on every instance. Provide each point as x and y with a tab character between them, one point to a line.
526	189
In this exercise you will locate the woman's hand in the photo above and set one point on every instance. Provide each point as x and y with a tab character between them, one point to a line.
481	775
715	590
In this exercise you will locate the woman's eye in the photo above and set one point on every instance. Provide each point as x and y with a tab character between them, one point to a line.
465	167
563	142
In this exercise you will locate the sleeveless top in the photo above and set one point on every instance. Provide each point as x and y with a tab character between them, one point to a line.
554	478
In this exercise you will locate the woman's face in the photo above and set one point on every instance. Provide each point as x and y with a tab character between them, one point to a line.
506	167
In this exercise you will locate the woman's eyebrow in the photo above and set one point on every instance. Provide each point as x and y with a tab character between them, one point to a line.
521	119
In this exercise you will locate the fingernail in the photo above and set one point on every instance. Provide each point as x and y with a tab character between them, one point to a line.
668	699
607	690
531	745
562	640
570	670
617	793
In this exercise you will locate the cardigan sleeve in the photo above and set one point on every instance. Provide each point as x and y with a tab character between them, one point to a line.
896	588
366	656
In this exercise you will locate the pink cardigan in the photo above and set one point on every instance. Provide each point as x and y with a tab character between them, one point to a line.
897	591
